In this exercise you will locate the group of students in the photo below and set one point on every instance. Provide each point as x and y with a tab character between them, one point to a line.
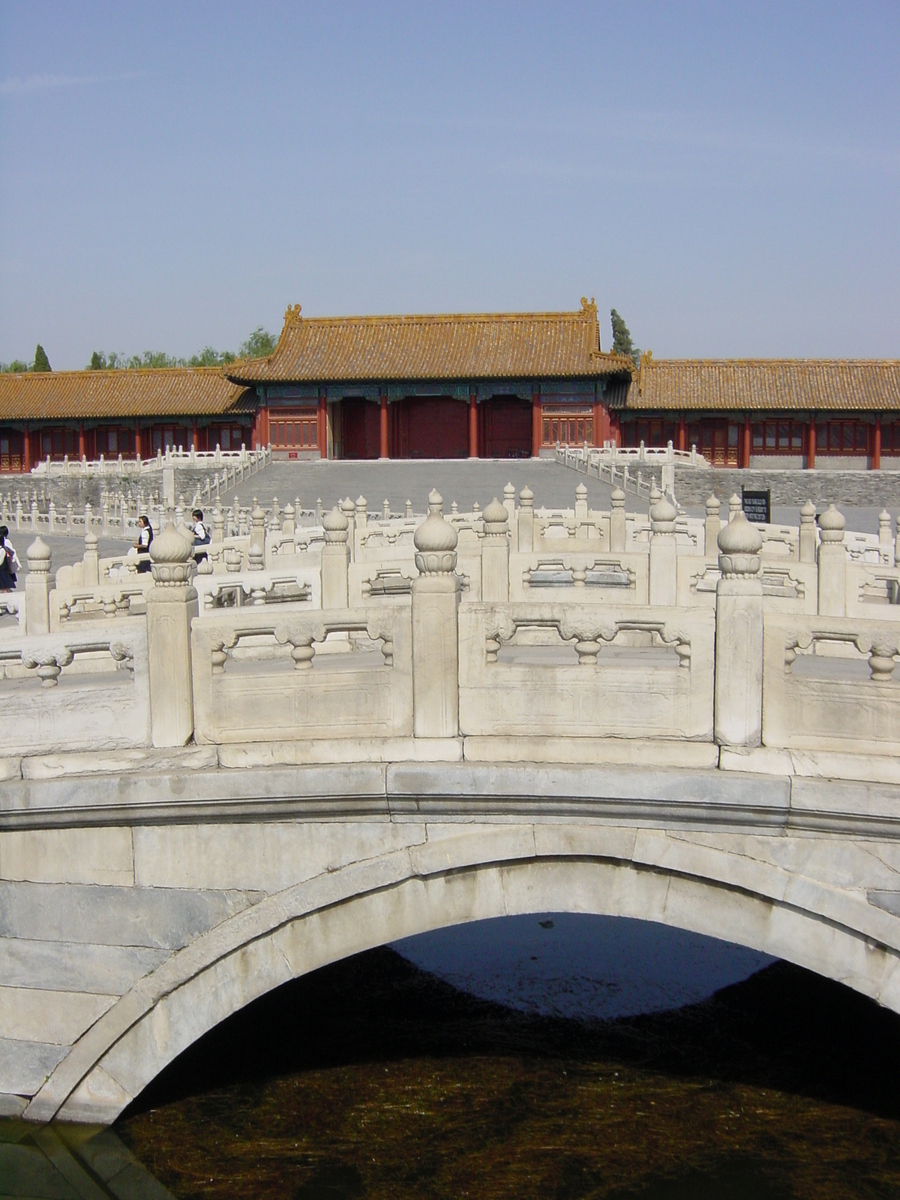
9	562
145	537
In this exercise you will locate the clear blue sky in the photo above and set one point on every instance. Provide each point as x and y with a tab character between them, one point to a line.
726	175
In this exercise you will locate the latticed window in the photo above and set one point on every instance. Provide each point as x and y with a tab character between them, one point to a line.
843	437
780	436
294	431
568	428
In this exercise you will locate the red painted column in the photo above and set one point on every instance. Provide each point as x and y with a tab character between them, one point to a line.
535	423
811	444
80	439
26	449
473	425
383	429
322	425
876	444
682	433
137	441
747	443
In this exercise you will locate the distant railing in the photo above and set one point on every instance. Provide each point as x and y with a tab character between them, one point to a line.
247	461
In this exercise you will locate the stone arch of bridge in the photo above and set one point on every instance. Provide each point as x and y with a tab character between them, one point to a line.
486	873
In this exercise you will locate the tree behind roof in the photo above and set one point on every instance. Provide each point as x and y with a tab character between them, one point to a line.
41	361
259	344
622	343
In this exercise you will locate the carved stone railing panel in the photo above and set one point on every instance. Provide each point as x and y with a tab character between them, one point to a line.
76	691
638	672
830	683
339	674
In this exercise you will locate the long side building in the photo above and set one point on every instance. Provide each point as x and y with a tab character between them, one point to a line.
498	385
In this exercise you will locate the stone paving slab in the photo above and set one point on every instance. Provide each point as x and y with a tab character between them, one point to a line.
462	480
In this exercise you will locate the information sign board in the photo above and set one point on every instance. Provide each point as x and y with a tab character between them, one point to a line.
757	506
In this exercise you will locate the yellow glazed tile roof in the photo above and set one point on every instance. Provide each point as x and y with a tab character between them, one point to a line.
448	346
811	384
146	392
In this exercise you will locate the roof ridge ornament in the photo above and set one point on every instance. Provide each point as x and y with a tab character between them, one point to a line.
292	313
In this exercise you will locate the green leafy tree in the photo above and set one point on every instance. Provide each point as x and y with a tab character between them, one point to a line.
622	343
16	367
41	361
98	361
210	357
259	344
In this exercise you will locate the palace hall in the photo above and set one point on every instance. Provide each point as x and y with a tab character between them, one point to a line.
492	385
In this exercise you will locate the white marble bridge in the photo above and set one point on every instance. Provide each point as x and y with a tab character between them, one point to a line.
337	735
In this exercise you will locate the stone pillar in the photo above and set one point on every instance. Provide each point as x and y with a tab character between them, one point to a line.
217	532
739	636
37	588
885	533
581	510
509	502
256	556
663	561
617	522
495	554
832	561
525	521
435	627
348	508
171	606
713	525
335	560
808	539
91	560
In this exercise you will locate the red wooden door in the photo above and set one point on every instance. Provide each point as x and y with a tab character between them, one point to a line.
437	427
361	428
507	427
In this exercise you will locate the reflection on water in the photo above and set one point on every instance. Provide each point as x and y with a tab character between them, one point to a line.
373	1079
565	965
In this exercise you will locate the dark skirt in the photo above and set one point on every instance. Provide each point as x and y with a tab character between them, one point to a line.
7	577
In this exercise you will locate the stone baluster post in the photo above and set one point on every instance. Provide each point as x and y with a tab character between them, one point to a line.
525	521
713	525
581	511
739	636
808	539
386	510
832	561
70	518
408	511
617	522
37	588
217	532
734	506
91	563
663	553
51	517
348	508
256	557
885	534
495	554
335	560
288	525
171	606
509	503
34	514
435	627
